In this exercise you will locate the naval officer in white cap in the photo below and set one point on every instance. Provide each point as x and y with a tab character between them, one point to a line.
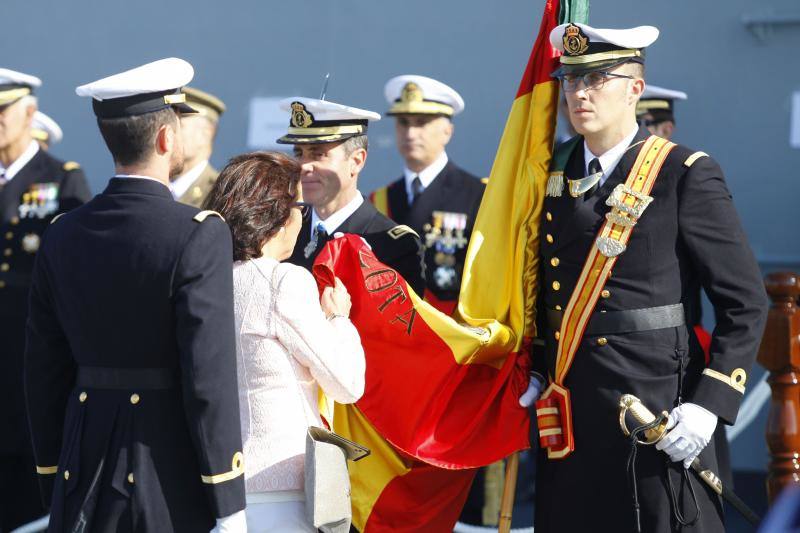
34	188
656	109
435	197
130	370
631	226
45	130
330	142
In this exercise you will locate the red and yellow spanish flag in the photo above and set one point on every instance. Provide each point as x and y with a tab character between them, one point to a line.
442	393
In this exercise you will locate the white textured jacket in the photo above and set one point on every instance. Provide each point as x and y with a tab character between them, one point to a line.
286	349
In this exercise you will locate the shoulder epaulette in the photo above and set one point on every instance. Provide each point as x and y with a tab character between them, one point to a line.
485	180
202	215
56	218
398	231
694	157
71	165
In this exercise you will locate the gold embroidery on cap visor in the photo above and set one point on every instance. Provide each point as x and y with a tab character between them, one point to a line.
412	102
575	42
333	130
6	97
646	105
600	56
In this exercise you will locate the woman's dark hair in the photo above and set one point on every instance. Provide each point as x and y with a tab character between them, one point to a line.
255	193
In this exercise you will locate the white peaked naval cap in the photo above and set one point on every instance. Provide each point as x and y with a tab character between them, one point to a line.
14	85
313	121
585	48
419	95
141	90
46	129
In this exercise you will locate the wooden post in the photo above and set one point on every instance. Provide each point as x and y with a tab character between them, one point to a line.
509	490
780	355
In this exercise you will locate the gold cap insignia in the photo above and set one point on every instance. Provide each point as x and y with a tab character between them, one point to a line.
411	93
300	117
575	42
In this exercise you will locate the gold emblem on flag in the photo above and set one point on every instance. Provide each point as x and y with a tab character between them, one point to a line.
300	117
575	42
411	93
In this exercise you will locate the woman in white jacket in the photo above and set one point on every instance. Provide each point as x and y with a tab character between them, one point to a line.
290	342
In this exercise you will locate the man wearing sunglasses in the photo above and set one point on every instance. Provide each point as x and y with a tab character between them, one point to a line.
330	142
631	226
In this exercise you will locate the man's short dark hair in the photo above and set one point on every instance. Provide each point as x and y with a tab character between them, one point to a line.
132	139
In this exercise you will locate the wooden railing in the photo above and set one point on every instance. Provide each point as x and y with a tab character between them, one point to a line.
780	355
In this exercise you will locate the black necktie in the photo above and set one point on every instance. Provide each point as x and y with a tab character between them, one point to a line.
594	168
416	189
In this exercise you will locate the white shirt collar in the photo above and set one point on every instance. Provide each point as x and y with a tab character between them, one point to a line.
137	176
609	160
24	158
337	219
426	176
182	183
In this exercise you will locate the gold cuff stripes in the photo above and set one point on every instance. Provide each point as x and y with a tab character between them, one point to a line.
46	470
736	380
237	469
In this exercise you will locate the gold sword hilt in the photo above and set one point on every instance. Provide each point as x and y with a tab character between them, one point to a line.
642	415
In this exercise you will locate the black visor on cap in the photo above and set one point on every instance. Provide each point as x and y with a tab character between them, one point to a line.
139	104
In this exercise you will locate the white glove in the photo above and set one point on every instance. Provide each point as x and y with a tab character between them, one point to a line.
693	427
234	523
535	386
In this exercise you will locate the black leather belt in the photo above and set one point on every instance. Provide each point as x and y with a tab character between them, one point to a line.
610	322
96	377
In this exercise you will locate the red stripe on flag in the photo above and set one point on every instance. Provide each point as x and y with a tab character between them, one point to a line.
544	58
424	499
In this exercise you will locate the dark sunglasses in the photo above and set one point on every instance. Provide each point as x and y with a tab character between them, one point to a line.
305	208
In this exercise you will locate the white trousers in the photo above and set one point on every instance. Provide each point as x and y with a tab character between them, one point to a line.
277	517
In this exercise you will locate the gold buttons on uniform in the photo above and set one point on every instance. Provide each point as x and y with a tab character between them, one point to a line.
602	341
4	267
557	335
134	398
606	293
66	474
555	261
9	235
549	238
130	478
2	284
7	252
558	308
556	285
82	397
548	216
14	221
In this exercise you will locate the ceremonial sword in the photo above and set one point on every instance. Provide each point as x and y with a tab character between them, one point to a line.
655	432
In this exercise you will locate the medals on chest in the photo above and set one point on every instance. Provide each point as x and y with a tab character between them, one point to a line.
445	236
40	201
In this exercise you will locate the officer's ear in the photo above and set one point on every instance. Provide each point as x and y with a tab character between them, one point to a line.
166	139
448	128
358	158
